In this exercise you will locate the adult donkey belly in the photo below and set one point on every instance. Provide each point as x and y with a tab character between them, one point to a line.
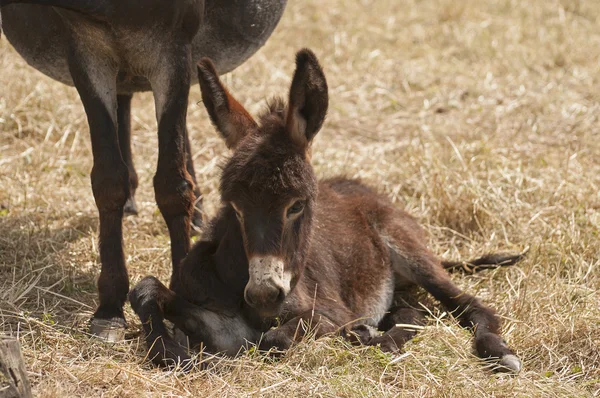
232	31
39	36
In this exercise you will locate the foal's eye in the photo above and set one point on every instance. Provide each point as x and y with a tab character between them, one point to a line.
296	208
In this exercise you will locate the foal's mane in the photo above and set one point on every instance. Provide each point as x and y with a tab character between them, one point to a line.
274	113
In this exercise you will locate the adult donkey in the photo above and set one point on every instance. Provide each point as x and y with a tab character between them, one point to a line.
110	49
285	249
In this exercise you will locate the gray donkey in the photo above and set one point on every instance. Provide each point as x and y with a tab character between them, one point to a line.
110	49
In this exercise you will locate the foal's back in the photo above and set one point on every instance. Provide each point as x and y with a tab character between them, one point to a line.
350	259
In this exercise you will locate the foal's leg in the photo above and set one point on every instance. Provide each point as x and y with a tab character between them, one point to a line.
423	269
472	313
296	328
397	326
225	332
148	299
124	123
94	74
173	185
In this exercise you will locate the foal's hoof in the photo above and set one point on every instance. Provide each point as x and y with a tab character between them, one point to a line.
509	363
111	330
130	208
385	343
360	334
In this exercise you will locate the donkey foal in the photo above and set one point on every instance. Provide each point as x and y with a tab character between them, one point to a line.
285	248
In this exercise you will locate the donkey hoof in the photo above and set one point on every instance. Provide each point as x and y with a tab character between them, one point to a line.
509	363
130	208
110	330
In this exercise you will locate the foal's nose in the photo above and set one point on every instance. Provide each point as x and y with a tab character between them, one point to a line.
264	297
268	284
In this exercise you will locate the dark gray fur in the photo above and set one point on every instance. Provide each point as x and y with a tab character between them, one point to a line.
231	32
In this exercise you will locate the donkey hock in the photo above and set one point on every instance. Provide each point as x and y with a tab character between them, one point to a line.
331	254
110	49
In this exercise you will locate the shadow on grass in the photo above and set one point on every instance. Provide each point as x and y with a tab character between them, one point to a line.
45	276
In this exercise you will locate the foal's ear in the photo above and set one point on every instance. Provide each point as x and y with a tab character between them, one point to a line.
229	117
308	99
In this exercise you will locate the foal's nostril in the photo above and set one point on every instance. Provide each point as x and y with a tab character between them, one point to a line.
264	296
280	296
275	295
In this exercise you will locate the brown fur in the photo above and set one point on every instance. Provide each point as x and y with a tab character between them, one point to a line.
287	249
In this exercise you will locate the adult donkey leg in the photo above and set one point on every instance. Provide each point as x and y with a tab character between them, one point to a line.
173	185
124	122
124	128
94	75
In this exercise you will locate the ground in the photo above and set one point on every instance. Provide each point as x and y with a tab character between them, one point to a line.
479	117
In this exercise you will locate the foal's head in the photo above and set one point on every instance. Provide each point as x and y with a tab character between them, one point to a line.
268	182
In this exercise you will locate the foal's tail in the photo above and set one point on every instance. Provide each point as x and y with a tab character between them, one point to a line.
488	261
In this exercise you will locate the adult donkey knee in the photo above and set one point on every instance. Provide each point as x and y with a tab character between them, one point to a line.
110	49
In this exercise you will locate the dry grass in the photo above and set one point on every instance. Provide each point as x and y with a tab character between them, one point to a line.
480	117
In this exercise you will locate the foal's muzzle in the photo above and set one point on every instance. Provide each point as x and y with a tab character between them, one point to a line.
268	285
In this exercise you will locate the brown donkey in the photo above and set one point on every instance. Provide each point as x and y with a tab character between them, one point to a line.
287	249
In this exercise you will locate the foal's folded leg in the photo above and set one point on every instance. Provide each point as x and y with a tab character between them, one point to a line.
292	331
148	299
400	325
